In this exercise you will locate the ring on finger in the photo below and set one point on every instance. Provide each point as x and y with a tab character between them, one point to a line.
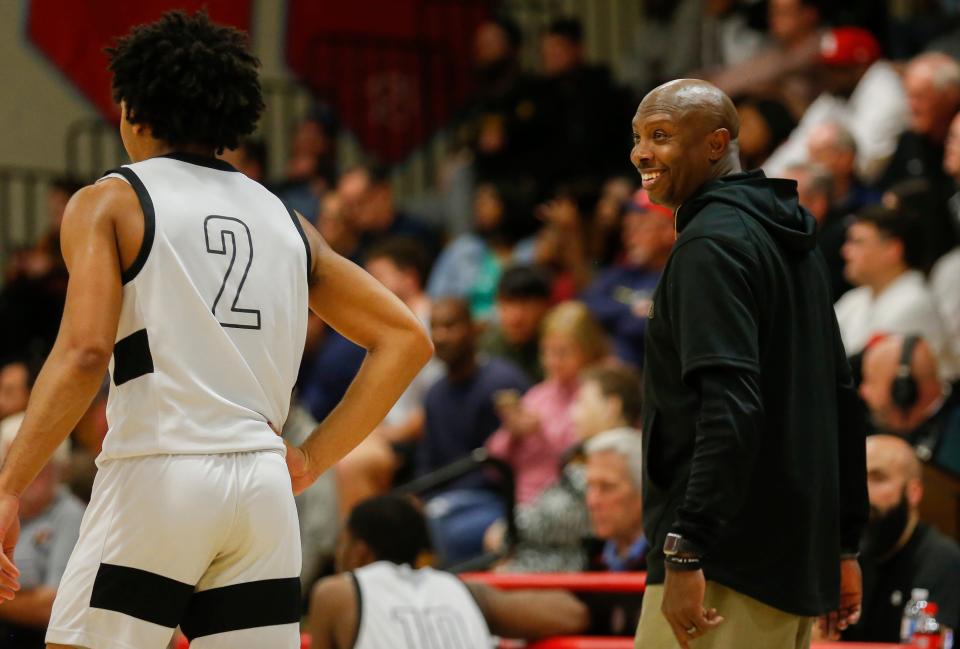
692	630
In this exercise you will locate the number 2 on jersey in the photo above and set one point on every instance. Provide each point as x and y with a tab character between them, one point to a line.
240	245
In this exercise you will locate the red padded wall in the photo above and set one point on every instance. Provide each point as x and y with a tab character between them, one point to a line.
72	35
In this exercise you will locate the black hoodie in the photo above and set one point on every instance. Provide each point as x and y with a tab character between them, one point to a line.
753	439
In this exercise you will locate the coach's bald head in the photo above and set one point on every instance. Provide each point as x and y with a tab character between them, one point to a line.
685	133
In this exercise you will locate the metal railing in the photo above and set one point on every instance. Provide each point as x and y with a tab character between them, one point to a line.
93	144
504	487
23	204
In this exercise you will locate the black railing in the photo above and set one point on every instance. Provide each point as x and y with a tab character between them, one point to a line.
504	487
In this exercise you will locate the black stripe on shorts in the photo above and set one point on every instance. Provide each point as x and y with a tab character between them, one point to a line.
242	606
144	595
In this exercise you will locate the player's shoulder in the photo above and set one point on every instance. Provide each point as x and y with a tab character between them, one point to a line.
104	199
337	590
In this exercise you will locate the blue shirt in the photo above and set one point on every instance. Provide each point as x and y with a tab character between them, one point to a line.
325	378
461	416
611	298
635	558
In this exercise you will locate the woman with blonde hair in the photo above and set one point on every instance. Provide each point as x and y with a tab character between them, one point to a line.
537	429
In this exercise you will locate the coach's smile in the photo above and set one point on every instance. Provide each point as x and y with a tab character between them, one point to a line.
651	178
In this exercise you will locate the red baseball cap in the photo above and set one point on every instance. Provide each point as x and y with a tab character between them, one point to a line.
640	202
845	46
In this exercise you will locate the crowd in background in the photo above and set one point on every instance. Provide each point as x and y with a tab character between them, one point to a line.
537	306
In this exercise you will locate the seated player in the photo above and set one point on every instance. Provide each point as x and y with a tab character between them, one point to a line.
381	600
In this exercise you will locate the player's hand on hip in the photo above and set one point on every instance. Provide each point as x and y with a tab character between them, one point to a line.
298	464
683	593
9	533
851	594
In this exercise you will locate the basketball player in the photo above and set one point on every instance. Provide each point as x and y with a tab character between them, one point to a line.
385	603
192	282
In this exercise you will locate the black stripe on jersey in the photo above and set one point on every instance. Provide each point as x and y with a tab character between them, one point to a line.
149	222
242	606
306	244
359	594
132	357
144	595
201	161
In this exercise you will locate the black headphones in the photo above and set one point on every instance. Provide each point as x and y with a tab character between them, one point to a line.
903	390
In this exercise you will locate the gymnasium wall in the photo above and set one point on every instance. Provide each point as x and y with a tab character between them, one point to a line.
38	105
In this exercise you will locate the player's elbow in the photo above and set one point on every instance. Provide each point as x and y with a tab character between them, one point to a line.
575	618
410	339
89	357
421	347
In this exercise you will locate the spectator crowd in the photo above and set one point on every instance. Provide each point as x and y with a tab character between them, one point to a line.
537	302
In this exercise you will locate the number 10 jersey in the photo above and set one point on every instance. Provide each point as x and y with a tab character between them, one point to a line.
214	313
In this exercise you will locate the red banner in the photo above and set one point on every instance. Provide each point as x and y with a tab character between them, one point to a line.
72	35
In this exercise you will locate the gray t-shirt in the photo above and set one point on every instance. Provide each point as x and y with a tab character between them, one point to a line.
47	540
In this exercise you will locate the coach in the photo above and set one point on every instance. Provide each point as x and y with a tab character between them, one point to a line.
754	478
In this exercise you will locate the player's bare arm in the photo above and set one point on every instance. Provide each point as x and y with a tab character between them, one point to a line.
76	366
31	607
332	620
365	312
530	614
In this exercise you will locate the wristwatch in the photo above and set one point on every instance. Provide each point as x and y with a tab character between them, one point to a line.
677	545
681	554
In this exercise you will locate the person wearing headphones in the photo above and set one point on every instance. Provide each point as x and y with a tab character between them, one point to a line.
898	552
907	398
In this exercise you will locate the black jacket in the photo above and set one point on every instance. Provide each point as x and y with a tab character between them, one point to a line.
753	432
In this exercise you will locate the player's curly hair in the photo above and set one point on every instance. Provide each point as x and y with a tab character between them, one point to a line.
190	80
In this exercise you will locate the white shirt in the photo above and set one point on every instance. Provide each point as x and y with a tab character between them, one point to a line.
876	114
403	608
906	306
945	284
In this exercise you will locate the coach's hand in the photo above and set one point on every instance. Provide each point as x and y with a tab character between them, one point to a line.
9	533
683	593
851	594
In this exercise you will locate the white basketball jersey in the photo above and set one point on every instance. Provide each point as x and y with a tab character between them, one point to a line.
403	608
214	313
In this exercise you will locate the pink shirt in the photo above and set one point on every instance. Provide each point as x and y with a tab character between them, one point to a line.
536	458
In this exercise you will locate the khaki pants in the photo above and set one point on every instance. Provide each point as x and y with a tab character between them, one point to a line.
747	623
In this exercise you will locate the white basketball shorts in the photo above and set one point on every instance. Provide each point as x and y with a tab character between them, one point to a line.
206	542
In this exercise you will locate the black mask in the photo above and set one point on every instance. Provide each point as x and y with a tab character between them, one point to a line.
884	529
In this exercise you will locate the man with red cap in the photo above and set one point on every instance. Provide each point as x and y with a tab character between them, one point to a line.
620	296
861	91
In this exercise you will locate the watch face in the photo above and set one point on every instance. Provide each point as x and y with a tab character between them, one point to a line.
672	544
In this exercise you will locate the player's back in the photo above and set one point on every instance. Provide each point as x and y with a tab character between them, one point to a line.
403	608
214	313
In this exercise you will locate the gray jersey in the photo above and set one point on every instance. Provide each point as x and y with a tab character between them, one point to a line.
402	608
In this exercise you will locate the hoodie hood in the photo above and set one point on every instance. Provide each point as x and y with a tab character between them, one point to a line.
771	201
